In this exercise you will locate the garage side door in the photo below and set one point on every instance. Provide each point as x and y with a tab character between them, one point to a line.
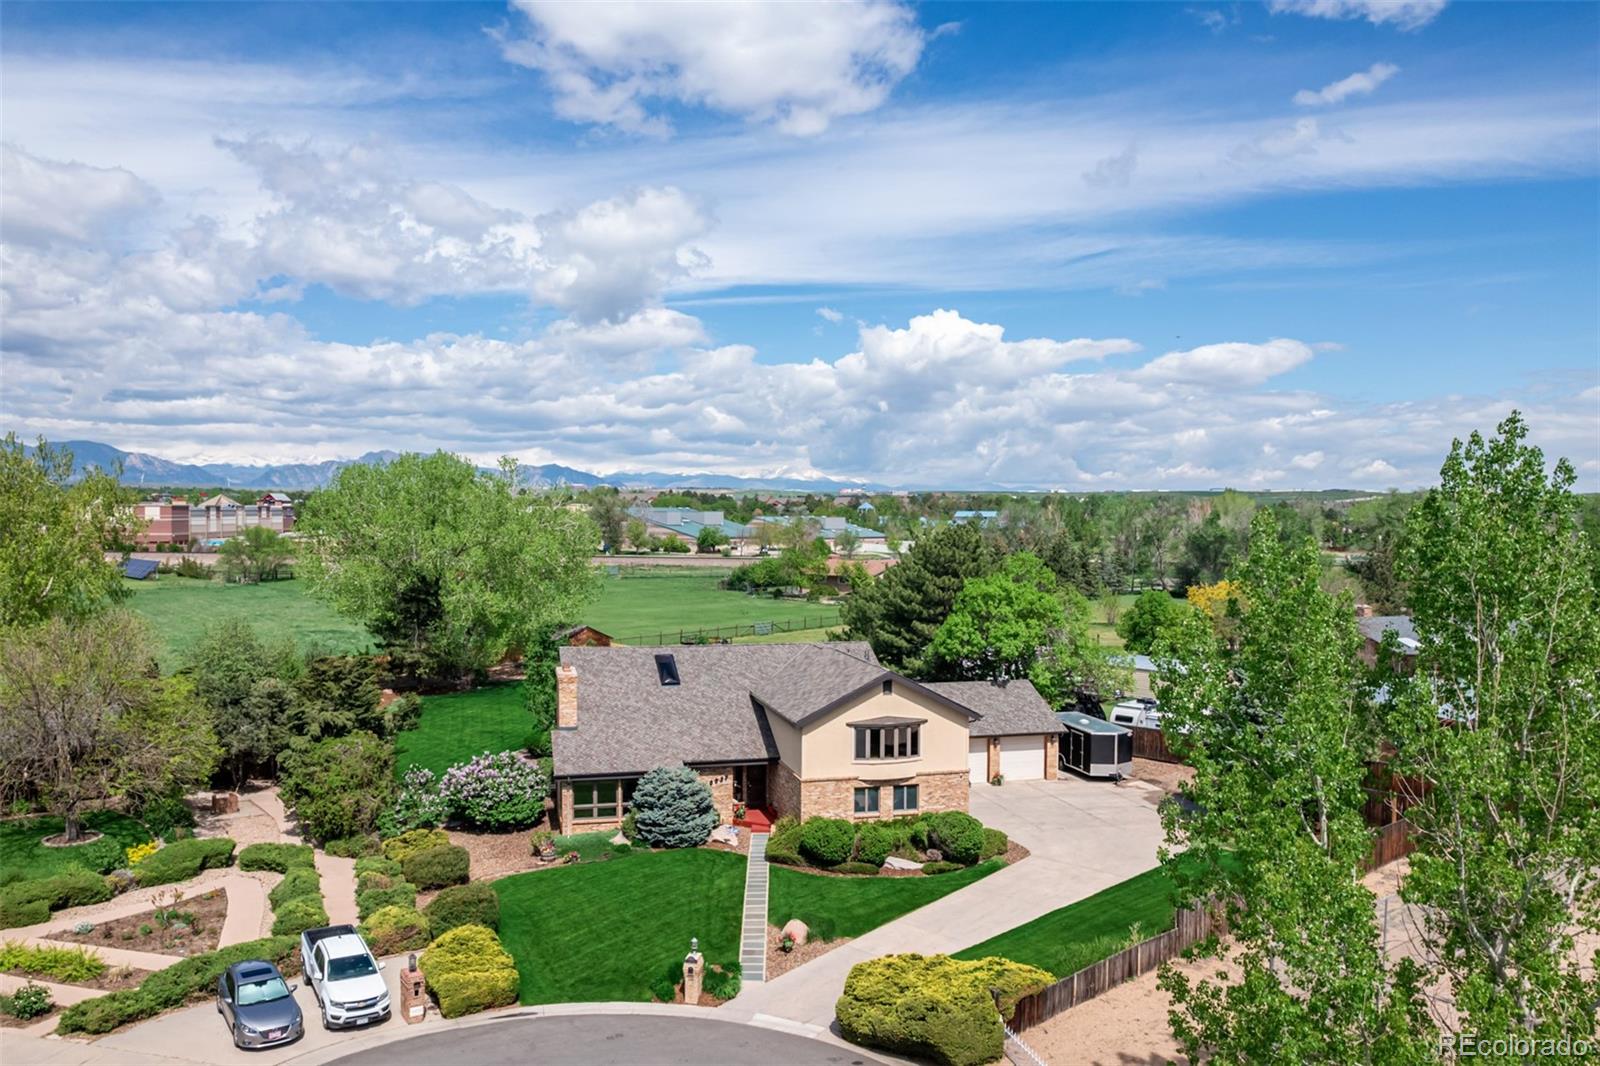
978	759
1022	758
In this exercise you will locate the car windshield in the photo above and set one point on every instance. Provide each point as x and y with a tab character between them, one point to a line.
262	991
350	966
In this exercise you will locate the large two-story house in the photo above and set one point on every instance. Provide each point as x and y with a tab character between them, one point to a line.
801	729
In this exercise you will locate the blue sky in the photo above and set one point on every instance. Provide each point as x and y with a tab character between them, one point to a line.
1060	245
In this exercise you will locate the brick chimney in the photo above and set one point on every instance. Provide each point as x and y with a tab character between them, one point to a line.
1363	610
566	697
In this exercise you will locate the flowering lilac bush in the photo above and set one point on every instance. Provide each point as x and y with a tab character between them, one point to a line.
419	804
497	791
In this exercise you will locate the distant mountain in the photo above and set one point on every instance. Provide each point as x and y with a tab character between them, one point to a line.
140	468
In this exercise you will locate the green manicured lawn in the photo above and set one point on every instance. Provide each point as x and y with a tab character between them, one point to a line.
1066	940
21	850
180	609
1104	631
457	726
649	605
833	907
607	930
590	846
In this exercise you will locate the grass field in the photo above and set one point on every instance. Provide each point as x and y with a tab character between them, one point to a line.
1103	630
833	907
22	850
605	931
658	603
457	726
1072	937
181	608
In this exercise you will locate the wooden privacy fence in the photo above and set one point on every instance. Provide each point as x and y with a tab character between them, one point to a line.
1394	841
1152	744
1191	926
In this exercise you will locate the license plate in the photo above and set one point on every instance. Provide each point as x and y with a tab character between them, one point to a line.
274	1034
362	1021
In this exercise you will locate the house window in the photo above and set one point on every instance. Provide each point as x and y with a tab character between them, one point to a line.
888	742
888	687
601	799
905	797
866	801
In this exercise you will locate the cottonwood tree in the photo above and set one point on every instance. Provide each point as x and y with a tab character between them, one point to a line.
1501	720
608	514
83	717
54	533
447	565
1279	733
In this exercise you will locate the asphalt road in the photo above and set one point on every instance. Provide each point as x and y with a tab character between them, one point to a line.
610	1040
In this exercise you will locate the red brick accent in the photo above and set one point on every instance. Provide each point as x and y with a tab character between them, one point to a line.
566	697
1052	764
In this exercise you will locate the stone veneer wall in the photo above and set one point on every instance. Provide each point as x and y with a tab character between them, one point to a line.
720	780
1052	762
783	791
835	797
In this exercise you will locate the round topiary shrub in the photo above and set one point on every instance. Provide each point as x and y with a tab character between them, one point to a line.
298	915
995	844
397	848
279	858
674	808
827	841
467	971
438	866
392	930
958	835
874	842
463	905
865	869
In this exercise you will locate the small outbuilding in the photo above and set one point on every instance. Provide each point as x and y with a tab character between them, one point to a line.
584	637
1094	747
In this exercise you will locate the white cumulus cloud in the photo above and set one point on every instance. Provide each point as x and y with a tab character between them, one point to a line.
798	66
1227	365
1361	83
1403	14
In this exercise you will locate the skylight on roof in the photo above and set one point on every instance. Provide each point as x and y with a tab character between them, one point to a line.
667	669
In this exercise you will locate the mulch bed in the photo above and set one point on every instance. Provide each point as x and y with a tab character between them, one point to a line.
115	979
141	932
781	962
496	855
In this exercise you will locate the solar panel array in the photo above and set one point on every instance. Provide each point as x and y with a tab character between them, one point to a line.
139	569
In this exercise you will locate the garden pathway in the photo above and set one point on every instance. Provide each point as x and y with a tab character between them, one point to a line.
338	887
753	942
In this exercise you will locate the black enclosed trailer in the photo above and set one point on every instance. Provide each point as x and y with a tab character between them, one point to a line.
1094	747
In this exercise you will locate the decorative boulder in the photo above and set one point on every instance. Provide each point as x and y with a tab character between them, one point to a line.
895	862
725	834
796	929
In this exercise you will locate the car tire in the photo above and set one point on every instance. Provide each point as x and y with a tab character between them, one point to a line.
326	1023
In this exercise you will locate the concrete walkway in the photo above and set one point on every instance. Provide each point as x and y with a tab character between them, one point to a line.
1084	836
753	939
338	887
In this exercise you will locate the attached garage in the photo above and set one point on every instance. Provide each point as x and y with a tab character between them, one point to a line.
1022	758
978	760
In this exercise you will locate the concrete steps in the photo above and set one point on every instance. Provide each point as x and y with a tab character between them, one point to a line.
753	939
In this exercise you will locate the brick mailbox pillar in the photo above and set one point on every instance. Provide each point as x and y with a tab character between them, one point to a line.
694	971
413	992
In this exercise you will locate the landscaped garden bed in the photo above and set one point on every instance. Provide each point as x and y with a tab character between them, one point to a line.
66	966
27	1006
24	853
179	925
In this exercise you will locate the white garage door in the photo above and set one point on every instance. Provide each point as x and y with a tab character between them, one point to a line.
1022	758
978	759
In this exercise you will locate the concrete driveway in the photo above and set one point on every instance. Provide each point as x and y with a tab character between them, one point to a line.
1084	836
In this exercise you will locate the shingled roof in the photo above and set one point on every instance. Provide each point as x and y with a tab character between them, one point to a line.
1012	709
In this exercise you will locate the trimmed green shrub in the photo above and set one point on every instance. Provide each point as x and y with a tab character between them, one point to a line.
62	964
353	847
630	826
98	856
28	1002
192	978
722	980
665	986
436	867
298	915
15	915
399	847
958	835
995	844
279	858
403	894
377	864
874	843
827	841
468	971
183	860
377	882
673	808
296	883
933	1006
783	846
941	867
866	868
392	930
71	888
463	905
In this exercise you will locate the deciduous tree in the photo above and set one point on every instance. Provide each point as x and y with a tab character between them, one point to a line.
83	717
1141	625
1501	720
1279	735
